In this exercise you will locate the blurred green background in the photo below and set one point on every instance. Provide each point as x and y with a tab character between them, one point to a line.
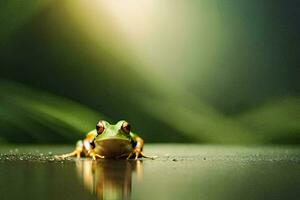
202	71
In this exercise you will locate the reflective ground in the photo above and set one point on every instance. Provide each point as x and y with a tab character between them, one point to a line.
181	172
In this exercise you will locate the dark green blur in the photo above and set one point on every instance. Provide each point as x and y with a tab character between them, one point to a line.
201	71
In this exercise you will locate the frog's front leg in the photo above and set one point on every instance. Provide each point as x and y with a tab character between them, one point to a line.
138	148
83	147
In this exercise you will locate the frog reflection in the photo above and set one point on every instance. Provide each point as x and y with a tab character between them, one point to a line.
109	179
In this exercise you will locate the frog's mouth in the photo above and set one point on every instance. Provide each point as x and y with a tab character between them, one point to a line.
113	147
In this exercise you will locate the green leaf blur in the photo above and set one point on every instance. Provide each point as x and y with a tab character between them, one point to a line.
178	71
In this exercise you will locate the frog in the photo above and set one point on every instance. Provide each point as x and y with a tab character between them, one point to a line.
109	141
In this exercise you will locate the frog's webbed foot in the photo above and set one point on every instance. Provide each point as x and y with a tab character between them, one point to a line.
138	153
94	155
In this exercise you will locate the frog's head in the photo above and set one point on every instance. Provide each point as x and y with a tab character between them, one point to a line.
106	131
112	140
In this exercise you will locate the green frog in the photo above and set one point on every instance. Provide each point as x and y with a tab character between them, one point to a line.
110	141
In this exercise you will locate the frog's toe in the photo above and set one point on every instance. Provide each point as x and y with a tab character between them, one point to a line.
129	156
137	155
144	156
74	153
98	156
95	156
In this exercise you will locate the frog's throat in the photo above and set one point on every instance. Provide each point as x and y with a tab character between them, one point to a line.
113	147
116	139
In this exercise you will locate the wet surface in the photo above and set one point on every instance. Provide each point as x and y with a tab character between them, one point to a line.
180	172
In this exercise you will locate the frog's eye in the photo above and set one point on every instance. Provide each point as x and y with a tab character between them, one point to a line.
100	127
126	127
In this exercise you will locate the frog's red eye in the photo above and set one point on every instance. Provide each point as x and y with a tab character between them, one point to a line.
126	127
100	127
